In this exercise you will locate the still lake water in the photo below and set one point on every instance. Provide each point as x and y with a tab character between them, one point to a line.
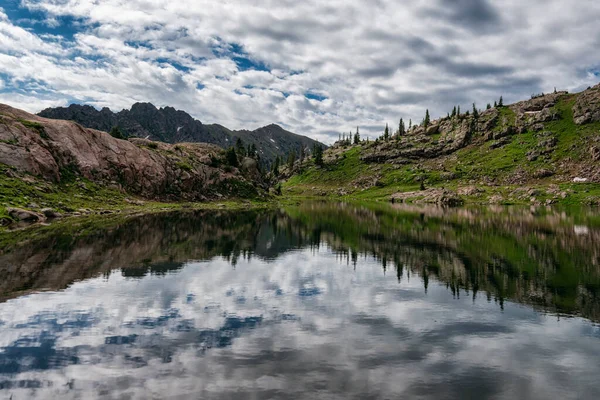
318	301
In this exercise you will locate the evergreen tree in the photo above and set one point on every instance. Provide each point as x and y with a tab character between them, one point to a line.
489	106
116	133
302	153
454	112
410	124
386	133
458	111
231	157
291	160
475	112
401	128
495	104
239	145
318	155
357	137
275	168
501	102
426	120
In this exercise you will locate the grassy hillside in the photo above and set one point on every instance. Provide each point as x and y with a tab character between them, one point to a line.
536	165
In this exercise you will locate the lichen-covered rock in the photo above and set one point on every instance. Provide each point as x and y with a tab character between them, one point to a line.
587	106
25	215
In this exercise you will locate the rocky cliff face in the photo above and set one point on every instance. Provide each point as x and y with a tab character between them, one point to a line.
56	149
169	125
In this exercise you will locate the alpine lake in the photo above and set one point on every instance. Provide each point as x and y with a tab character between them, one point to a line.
318	300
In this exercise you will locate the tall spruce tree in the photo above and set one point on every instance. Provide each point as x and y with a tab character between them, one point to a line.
386	133
291	160
501	102
318	154
231	157
426	120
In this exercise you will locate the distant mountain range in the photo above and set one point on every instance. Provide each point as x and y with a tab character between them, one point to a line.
175	126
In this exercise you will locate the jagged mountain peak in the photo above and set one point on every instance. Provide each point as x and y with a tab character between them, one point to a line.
170	125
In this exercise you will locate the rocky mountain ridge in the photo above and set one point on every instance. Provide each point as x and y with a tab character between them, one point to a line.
529	151
169	125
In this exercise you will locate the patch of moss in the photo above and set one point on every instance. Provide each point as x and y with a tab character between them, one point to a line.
184	166
36	126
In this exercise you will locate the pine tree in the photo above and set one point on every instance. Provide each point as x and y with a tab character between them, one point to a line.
501	102
410	124
489	106
239	145
454	112
495	104
275	169
357	137
386	133
475	112
318	154
291	160
401	128
426	120
116	133
458	111
231	157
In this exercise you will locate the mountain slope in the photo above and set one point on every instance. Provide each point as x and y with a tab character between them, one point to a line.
169	125
541	151
42	158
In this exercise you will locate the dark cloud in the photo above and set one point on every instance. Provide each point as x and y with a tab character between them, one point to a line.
474	15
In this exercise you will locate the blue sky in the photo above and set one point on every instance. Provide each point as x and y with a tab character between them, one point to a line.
317	68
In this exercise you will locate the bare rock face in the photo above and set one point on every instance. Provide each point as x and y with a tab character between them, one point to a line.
54	148
587	106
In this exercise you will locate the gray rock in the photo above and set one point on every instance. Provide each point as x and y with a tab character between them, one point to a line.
25	215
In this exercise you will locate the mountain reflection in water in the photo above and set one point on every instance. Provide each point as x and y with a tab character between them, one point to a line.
322	300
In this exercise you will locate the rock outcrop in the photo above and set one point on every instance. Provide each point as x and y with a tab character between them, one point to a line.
587	106
55	150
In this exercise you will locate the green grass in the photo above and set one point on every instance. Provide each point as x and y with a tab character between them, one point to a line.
497	171
184	166
36	126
